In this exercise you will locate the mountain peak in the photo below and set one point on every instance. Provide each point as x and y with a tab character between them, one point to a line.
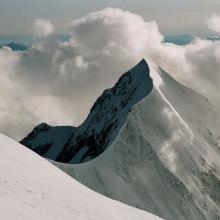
106	118
141	66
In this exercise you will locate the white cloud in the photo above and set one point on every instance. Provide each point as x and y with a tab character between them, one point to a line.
214	23
43	27
80	63
58	82
112	29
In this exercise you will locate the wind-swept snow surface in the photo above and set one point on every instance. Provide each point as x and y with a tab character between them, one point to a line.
32	188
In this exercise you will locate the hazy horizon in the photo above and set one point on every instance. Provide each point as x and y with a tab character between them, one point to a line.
190	16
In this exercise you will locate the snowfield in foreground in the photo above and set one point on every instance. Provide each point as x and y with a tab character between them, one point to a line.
32	188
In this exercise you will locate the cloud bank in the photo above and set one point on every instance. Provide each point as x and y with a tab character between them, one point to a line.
43	27
214	23
57	82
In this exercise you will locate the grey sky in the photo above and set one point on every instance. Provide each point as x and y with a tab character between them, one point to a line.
173	16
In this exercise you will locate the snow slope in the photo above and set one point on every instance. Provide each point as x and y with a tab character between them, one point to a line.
166	158
32	188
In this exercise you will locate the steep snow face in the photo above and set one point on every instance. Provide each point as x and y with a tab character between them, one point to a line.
107	116
32	188
166	158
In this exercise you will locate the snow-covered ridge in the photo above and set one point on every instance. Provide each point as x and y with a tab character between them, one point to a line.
32	188
107	116
165	159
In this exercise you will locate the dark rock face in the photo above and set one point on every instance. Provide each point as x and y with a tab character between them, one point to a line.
103	123
42	149
27	141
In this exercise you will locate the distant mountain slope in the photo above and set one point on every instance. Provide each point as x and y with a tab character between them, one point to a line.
18	39
32	188
166	158
107	116
28	39
16	47
163	156
179	39
186	39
